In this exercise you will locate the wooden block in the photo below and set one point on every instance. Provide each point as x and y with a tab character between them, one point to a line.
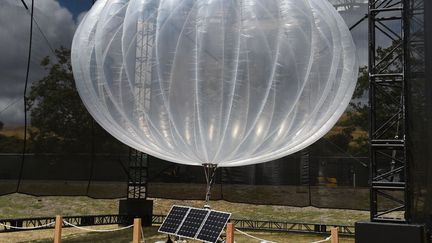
334	235
137	231
58	229
230	233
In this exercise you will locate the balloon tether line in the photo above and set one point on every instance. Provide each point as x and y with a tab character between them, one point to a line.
210	173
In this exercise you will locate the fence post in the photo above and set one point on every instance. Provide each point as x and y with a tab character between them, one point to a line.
58	229
334	235
230	233
137	231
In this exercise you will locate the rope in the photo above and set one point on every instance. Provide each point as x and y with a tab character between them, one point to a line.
326	239
256	238
142	234
96	230
24	228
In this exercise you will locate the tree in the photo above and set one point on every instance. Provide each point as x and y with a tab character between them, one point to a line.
60	122
354	125
1	125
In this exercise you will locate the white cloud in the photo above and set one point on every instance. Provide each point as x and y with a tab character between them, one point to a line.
81	17
58	26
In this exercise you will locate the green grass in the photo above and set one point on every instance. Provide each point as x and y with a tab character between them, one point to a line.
276	213
19	205
23	206
151	235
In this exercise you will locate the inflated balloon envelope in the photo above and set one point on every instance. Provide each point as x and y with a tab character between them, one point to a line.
218	82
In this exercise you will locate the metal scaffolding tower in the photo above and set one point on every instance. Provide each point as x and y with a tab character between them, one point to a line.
348	5
388	41
145	38
138	174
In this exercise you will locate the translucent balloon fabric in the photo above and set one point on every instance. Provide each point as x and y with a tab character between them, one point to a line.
226	82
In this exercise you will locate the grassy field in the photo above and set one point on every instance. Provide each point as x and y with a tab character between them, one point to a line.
150	235
17	132
19	205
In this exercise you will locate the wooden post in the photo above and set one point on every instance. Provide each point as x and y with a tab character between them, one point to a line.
230	233
137	231
334	235
58	229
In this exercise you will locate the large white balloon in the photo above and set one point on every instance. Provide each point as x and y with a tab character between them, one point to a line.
226	82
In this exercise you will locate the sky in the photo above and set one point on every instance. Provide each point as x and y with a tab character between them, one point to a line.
57	20
76	7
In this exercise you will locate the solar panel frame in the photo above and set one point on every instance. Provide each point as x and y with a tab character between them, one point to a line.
197	237
213	223
187	221
169	217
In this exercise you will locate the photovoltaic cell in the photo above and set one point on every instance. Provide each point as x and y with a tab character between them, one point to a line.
213	226
193	222
173	220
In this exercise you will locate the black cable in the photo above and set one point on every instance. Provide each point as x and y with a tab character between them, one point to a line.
40	30
10	104
358	22
25	98
93	152
46	39
93	155
25	5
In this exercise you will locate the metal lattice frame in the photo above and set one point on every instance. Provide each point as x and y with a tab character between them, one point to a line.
76	220
138	174
388	28
145	38
347	5
242	224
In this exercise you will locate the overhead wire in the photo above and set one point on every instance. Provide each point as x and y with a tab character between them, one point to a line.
345	152
25	95
50	46
13	102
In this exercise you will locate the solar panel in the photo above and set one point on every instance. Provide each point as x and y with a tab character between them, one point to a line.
213	226
174	219
195	223
192	223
